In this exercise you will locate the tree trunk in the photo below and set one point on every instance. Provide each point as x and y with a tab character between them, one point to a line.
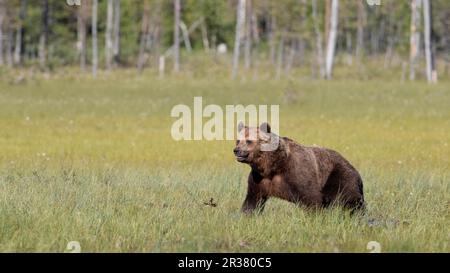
156	33
20	33
144	32
205	36
392	41
300	51
445	40
94	38
360	30
194	26
176	37
389	51
116	42
380	34
248	36
300	42
185	34
430	68
9	47
414	38
348	45
108	34
240	20
272	38
43	40
319	49
375	32
327	20
332	39
2	18
81	34
255	33
161	66
293	47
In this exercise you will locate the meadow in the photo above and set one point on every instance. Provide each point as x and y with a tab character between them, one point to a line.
93	161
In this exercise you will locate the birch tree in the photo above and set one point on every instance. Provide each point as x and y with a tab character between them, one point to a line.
319	49
9	47
414	37
248	36
116	32
360	30
240	20
280	57
185	34
331	44
272	36
94	38
19	32
327	19
176	37
429	56
43	40
143	37
108	34
81	36
2	19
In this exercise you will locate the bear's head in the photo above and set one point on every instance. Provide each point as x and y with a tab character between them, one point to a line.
253	142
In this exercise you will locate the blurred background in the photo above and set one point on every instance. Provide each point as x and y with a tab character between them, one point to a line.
275	39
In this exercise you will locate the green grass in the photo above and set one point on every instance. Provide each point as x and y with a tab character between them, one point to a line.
93	161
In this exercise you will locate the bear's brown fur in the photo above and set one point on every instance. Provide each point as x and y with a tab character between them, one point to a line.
311	176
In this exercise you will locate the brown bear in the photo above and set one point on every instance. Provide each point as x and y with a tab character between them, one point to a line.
314	177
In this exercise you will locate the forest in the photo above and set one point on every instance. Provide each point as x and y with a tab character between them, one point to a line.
410	36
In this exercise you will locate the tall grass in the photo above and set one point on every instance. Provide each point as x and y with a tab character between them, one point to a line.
93	161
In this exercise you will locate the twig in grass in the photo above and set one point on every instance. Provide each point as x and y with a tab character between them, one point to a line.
210	203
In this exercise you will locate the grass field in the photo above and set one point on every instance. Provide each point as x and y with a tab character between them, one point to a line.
93	161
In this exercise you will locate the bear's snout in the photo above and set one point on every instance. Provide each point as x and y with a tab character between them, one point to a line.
238	151
240	154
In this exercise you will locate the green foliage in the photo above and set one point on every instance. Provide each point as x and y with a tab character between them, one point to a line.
390	20
219	19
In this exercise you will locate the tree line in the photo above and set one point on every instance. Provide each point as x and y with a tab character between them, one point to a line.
108	34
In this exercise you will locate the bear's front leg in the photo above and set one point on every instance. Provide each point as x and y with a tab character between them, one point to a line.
255	198
253	202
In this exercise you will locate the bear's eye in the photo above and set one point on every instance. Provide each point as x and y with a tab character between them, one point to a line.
248	142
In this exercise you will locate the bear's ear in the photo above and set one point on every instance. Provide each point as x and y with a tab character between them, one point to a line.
265	127
240	126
